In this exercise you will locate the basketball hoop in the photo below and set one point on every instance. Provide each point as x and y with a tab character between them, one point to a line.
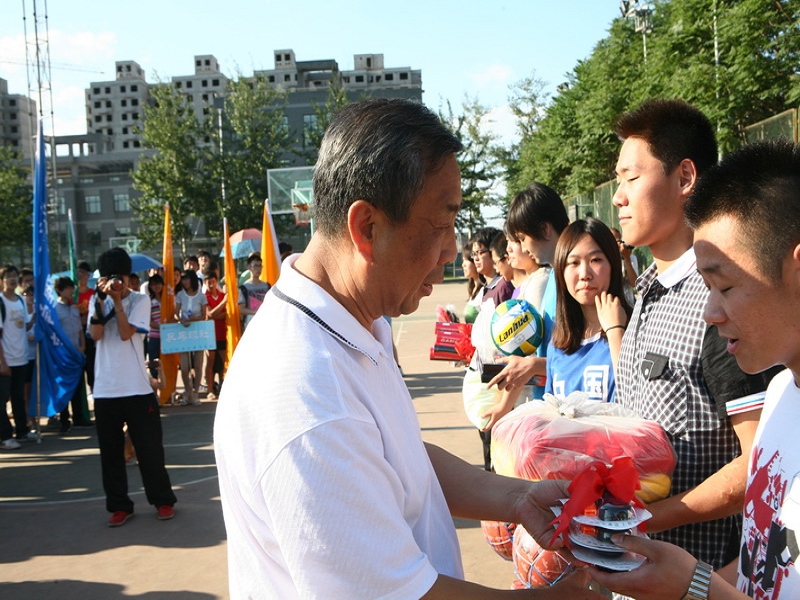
302	214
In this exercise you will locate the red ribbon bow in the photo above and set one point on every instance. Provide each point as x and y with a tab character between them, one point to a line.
620	481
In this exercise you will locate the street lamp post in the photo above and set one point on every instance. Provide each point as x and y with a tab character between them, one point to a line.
640	13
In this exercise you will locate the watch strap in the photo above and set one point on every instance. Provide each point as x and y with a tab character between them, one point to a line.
701	582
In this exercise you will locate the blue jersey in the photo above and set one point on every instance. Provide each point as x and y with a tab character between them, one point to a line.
588	369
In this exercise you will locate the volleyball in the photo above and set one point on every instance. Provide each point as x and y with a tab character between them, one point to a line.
517	328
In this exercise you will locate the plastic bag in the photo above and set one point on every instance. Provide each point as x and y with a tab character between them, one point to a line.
477	399
558	438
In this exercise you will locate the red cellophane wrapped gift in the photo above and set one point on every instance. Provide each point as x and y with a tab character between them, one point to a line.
559	438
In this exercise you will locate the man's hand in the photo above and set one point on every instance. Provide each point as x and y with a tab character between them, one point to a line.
533	510
664	576
573	587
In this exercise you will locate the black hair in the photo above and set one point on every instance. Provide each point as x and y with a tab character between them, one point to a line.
484	236
758	186
154	278
673	130
8	269
570	324
115	261
499	244
194	282
62	283
534	207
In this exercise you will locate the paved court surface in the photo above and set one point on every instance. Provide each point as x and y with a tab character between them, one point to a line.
54	542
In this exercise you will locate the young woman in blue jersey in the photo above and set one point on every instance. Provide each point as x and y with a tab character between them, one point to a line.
591	312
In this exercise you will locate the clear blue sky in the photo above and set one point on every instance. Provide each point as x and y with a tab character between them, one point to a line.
462	47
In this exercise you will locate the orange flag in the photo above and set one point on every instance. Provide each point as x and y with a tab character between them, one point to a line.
270	256
169	362
233	320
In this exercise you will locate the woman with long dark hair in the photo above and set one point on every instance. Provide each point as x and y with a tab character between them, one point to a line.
591	312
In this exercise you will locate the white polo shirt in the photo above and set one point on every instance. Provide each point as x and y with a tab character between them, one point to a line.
327	490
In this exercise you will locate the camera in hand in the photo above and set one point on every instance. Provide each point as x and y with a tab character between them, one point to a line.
117	284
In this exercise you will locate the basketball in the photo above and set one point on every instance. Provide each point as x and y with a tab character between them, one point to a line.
536	567
517	328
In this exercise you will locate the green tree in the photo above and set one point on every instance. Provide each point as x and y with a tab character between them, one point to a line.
527	101
16	198
255	138
572	147
179	170
478	161
323	113
736	60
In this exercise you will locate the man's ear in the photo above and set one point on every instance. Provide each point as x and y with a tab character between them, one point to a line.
361	221
794	265
687	176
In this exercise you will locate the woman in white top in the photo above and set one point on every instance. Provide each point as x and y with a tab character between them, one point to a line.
191	305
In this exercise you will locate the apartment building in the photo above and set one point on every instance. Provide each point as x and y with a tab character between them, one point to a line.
115	108
17	122
308	82
94	170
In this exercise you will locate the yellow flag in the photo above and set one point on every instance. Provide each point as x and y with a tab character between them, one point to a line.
169	362
270	256
233	319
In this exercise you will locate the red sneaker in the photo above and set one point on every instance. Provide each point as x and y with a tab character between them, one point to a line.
119	517
165	512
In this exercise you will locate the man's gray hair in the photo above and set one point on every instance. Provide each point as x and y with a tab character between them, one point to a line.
381	151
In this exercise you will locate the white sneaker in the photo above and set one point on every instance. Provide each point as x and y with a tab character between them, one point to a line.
10	444
30	437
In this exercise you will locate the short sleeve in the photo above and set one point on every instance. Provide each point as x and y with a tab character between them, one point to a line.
140	313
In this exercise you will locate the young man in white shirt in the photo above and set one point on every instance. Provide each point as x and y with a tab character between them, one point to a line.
118	321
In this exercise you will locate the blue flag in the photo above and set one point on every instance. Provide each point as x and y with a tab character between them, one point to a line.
60	365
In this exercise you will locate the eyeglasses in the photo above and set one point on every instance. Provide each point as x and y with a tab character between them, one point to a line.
478	253
497	262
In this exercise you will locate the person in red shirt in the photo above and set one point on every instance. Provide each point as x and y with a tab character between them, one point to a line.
216	312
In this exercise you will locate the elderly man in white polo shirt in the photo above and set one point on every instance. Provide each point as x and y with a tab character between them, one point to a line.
328	490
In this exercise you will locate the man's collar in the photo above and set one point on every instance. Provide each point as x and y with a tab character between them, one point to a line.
313	297
679	270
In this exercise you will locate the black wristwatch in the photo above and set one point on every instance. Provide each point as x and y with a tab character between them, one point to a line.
701	582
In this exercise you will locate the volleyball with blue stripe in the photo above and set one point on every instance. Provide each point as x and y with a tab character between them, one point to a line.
517	328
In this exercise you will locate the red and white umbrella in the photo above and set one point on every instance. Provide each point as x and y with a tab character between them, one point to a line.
244	242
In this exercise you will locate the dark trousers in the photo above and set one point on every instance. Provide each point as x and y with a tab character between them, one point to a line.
13	386
77	407
143	417
486	442
88	366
